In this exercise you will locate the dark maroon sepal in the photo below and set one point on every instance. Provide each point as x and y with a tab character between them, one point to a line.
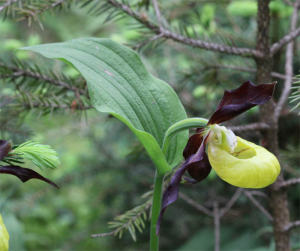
171	193
25	174
237	101
199	169
199	159
5	147
193	144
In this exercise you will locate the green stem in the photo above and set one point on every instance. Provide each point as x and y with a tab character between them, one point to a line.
156	205
179	127
159	177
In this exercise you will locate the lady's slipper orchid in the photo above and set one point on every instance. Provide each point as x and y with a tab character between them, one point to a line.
4	237
235	160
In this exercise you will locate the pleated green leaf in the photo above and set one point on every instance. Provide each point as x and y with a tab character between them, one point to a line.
119	84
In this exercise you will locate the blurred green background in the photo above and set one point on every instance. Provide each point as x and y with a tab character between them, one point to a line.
104	170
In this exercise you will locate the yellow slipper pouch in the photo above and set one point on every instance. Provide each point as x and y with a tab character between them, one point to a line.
249	166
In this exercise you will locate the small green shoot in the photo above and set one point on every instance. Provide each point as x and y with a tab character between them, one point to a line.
40	155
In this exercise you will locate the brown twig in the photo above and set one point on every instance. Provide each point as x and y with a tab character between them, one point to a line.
8	3
250	127
245	69
246	52
231	202
292	225
290	182
288	65
292	35
278	75
104	234
258	205
259	193
282	42
196	205
217	226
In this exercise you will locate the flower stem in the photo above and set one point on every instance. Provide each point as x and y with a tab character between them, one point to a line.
180	126
156	205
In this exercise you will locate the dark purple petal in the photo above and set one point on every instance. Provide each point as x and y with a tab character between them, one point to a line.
228	112
24	174
5	147
200	169
189	180
237	101
171	194
193	144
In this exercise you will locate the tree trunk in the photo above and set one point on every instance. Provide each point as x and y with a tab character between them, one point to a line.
279	201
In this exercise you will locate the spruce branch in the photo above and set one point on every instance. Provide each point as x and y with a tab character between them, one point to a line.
54	106
276	47
166	33
7	4
147	41
45	7
288	64
157	12
294	33
296	94
32	9
21	70
131	220
48	104
134	218
31	101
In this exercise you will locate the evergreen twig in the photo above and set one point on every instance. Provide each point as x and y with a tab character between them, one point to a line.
131	220
144	20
